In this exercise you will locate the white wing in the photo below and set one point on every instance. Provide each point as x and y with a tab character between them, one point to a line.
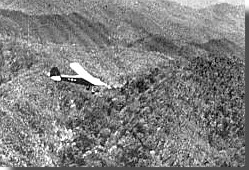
85	75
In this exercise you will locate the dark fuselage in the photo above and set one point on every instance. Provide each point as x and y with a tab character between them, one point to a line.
77	81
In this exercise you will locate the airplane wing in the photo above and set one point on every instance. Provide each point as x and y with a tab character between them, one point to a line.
85	75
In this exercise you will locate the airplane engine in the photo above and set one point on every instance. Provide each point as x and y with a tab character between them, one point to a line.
55	74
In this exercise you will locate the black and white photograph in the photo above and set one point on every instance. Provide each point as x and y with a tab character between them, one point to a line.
122	83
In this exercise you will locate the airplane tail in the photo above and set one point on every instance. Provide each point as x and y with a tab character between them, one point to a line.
55	74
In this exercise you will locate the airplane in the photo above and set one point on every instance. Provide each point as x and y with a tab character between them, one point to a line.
82	77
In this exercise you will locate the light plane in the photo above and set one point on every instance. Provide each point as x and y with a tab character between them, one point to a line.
82	77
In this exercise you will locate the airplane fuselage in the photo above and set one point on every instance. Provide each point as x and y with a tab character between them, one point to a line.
76	80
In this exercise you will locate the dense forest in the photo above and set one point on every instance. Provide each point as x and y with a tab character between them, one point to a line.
179	99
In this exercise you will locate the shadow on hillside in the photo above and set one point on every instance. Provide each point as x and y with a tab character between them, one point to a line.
156	43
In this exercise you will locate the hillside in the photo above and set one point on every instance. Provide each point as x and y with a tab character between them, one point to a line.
107	23
180	73
168	115
227	18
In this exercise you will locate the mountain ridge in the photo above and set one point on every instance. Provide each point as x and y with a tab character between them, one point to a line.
117	24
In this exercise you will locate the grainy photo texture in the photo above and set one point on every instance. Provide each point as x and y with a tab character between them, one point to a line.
122	83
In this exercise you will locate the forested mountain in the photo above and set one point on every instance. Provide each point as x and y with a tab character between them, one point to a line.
179	72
